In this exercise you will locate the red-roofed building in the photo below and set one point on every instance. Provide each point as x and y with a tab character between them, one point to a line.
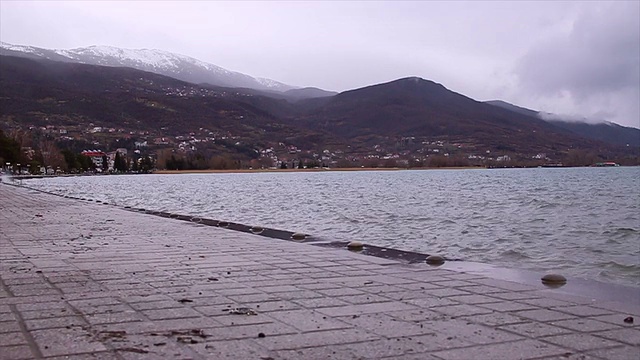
96	156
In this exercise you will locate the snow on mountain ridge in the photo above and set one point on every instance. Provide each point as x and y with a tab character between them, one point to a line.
270	83
145	57
178	66
22	48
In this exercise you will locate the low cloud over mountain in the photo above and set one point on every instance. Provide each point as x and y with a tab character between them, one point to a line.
593	65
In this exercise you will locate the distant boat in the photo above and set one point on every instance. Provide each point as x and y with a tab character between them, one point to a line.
606	164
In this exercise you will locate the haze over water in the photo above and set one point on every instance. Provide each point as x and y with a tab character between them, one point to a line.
581	222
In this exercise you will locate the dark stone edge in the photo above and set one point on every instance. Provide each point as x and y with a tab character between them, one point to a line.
409	257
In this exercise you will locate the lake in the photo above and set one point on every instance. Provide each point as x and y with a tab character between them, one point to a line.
581	222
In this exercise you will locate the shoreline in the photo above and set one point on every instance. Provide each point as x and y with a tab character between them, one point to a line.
241	171
575	286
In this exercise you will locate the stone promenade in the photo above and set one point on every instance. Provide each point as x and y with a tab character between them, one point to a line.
82	280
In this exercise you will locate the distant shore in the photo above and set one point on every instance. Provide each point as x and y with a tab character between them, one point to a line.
230	171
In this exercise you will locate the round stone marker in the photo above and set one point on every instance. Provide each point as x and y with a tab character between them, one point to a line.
256	229
435	260
554	279
355	246
298	236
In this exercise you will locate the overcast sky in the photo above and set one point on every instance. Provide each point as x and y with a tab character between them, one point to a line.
580	59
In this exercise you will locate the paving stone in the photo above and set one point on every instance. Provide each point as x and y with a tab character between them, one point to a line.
328	352
40	306
340	292
618	353
360	309
319	286
6	317
431	302
386	326
321	302
308	320
315	339
446	292
386	290
462	310
572	356
16	352
53	342
581	310
157	305
581	342
232	350
419	286
628	336
412	357
507	306
496	319
535	329
628	307
616	319
501	284
12	338
475	299
172	313
584	325
112	318
300	294
9	327
417	315
546	302
363	299
544	315
250	331
44	314
580	300
474	333
525	349
524	295
58	322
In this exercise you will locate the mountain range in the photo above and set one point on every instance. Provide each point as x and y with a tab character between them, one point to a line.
604	131
141	91
177	66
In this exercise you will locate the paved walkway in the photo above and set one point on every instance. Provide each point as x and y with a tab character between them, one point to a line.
80	280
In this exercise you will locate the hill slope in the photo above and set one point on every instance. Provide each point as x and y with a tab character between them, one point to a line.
414	107
604	131
41	93
157	61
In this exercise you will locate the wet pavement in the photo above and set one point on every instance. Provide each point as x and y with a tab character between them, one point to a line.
87	280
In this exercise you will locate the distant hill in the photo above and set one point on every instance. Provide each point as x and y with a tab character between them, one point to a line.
422	108
157	61
514	108
308	93
605	131
42	92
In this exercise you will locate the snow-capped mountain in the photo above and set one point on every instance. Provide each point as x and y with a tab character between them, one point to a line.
157	61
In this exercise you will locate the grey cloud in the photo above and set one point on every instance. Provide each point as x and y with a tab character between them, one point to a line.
594	66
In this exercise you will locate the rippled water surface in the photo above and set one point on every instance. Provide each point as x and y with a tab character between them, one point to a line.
582	222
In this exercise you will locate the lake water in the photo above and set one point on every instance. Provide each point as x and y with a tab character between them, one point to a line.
581	222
